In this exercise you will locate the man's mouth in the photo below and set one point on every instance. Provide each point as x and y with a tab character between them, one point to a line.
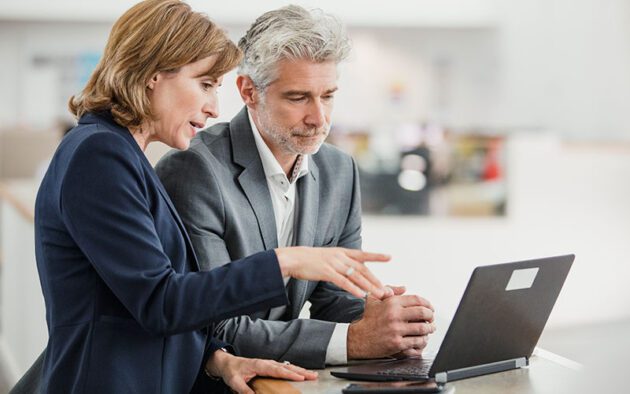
309	135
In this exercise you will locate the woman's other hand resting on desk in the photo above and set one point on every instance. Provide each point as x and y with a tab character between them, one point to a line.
342	267
237	371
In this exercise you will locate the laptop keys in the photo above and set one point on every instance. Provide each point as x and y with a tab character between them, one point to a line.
421	368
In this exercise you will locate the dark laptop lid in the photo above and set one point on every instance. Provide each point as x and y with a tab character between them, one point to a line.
502	313
498	322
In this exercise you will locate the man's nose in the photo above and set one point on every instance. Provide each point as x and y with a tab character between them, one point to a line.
316	115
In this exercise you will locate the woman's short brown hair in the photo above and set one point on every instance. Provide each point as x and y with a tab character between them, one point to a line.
152	36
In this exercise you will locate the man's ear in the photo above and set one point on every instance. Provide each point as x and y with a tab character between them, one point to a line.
247	90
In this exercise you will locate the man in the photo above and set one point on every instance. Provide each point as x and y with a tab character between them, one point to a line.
266	180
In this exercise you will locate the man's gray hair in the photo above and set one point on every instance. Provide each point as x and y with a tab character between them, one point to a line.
292	33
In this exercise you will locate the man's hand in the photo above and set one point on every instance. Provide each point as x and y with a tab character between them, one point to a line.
396	326
394	291
237	371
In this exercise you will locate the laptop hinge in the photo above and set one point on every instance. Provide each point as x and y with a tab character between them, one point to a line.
456	374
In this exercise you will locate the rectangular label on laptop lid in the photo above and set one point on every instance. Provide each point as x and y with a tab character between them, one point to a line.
522	279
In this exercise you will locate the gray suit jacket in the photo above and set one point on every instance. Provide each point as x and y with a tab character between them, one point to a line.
219	188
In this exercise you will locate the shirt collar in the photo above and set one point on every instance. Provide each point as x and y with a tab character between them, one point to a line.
269	161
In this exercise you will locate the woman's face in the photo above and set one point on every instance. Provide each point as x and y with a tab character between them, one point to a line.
182	102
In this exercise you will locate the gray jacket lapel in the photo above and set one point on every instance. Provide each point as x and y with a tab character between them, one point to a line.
308	208
308	211
252	179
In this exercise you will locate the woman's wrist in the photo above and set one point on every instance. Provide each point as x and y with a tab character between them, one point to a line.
216	362
284	261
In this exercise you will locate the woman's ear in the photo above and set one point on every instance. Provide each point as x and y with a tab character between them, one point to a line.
153	81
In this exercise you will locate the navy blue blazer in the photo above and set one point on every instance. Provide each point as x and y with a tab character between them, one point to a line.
126	306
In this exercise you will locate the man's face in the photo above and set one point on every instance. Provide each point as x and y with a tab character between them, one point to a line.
294	112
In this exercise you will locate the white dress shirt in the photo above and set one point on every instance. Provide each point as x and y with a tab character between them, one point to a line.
284	198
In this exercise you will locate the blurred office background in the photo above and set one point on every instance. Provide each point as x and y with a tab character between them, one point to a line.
486	131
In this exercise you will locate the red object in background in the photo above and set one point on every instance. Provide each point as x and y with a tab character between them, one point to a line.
491	167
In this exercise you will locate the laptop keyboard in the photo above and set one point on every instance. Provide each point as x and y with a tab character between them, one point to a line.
421	368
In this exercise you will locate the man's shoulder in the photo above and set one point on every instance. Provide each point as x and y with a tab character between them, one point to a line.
208	144
329	156
212	138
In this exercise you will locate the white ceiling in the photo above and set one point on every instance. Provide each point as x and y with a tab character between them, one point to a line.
422	13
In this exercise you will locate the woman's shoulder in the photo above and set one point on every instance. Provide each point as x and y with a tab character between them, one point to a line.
94	129
97	137
97	148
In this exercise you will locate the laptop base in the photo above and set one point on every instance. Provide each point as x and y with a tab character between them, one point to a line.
478	370
390	371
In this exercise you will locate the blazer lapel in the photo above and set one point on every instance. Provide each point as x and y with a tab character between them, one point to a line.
252	179
308	205
308	211
145	162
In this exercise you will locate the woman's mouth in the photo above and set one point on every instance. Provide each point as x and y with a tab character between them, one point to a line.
196	127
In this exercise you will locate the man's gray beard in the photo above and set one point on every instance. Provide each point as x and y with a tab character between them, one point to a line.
274	132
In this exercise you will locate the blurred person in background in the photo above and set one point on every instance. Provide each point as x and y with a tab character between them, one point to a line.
126	306
266	179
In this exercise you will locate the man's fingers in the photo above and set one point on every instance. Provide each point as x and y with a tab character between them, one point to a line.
388	292
418	329
416	314
398	290
391	291
415	300
418	342
412	352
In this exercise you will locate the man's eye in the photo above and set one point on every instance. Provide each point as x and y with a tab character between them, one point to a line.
328	97
296	99
207	85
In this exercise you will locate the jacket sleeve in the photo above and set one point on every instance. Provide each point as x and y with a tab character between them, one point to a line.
105	207
300	341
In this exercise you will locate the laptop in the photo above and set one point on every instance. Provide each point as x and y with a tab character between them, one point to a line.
496	326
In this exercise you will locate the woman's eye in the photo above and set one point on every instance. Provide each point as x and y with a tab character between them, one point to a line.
207	85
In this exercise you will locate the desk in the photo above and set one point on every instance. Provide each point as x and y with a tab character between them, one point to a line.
547	373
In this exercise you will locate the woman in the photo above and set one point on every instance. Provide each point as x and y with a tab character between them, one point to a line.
126	306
